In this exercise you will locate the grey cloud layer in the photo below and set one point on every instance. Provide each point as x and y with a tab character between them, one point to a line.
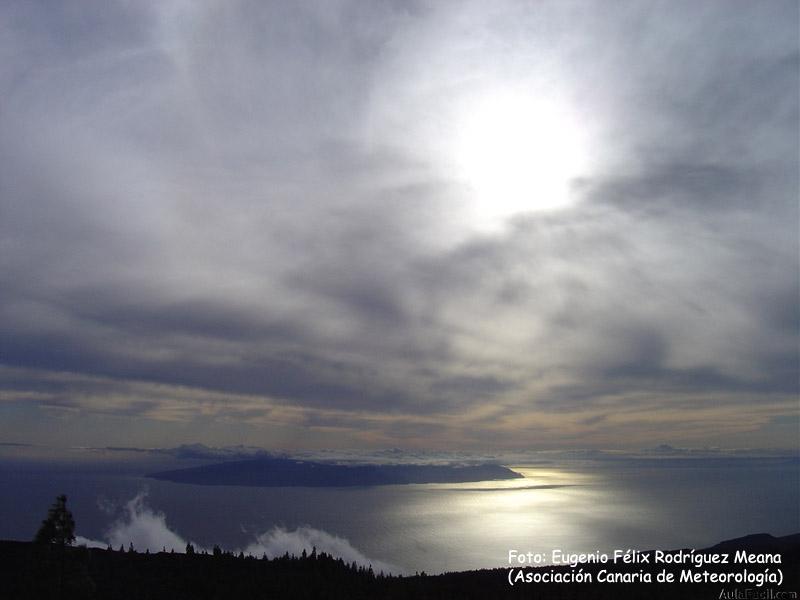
236	198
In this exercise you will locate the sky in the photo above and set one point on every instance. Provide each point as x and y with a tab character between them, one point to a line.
445	225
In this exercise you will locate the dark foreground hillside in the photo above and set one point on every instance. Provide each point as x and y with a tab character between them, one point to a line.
35	571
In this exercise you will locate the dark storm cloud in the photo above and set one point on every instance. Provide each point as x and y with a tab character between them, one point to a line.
231	211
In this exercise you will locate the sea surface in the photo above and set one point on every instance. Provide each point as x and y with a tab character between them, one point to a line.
575	506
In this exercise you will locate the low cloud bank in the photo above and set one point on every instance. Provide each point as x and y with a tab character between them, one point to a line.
278	540
141	526
147	529
202	452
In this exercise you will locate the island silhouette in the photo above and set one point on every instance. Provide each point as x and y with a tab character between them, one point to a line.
286	472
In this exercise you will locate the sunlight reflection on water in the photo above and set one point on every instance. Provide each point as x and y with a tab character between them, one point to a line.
484	520
473	525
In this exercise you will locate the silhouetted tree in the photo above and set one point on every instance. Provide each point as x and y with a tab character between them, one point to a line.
59	526
58	530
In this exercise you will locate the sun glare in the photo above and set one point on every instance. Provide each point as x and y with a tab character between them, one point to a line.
517	154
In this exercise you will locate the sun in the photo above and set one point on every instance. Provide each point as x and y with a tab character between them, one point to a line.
516	153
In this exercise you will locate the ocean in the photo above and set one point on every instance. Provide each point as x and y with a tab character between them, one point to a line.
573	506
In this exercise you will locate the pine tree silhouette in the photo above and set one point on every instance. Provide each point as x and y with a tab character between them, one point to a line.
59	526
